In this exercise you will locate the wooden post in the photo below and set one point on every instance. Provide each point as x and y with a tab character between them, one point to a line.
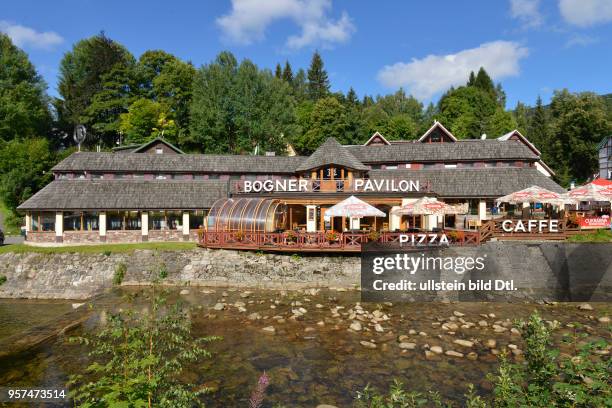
291	218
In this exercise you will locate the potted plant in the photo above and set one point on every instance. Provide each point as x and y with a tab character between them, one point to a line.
291	236
373	236
331	236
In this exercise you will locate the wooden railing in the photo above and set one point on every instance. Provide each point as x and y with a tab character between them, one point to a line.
326	241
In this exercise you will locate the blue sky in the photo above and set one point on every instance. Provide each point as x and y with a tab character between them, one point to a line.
532	47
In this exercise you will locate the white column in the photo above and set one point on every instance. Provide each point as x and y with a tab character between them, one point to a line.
186	225
354	223
102	224
394	219
28	220
144	225
59	226
482	211
311	218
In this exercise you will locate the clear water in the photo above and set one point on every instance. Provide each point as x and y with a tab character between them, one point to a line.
309	364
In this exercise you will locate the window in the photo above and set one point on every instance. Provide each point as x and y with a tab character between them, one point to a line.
138	176
123	220
159	150
81	221
62	176
199	176
235	177
197	219
391	167
97	176
213	177
450	166
408	165
43	221
161	176
165	220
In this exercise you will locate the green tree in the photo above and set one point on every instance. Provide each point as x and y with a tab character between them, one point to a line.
149	67
24	169
24	105
238	107
500	123
484	82
287	73
318	82
327	119
83	73
466	111
522	120
145	120
278	71
579	122
173	88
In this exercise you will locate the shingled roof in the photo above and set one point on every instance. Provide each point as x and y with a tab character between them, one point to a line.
181	163
437	152
127	195
331	153
465	183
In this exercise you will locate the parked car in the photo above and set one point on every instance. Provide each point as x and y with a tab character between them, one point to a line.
1	237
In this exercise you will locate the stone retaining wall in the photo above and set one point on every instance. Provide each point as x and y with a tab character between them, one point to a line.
551	267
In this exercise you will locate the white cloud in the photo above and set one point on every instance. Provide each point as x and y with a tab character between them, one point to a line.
586	13
427	76
248	20
527	11
581	40
24	36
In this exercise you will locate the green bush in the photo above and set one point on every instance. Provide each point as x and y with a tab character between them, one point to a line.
120	271
163	271
2	280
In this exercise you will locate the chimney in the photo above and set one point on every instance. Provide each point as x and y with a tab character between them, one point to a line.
270	153
483	137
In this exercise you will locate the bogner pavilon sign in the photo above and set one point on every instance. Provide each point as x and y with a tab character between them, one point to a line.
305	185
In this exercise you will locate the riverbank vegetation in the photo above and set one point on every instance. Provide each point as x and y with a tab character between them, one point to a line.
106	249
230	106
546	377
137	357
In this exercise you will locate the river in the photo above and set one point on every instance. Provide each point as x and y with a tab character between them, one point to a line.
312	357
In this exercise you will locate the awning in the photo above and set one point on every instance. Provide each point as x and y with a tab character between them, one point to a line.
590	192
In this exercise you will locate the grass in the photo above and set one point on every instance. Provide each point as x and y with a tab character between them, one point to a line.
106	249
595	236
12	224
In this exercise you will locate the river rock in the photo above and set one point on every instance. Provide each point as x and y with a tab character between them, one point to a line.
355	326
412	331
269	329
184	292
407	346
367	344
491	343
453	353
436	349
464	343
326	406
450	326
604	319
514	331
472	356
483	323
254	316
458	314
585	306
219	306
378	328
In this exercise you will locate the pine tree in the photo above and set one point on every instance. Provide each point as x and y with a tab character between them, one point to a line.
318	82
287	73
351	97
278	72
471	79
484	82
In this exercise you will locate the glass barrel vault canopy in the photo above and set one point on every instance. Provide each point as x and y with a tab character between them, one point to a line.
247	214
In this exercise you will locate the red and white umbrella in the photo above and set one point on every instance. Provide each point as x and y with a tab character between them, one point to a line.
591	192
353	207
431	206
533	194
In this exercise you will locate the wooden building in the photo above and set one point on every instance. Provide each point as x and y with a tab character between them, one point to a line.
155	192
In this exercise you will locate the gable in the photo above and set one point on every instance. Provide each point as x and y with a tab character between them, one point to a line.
437	133
377	140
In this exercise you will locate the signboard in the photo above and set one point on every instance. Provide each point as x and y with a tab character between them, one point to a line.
594	222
